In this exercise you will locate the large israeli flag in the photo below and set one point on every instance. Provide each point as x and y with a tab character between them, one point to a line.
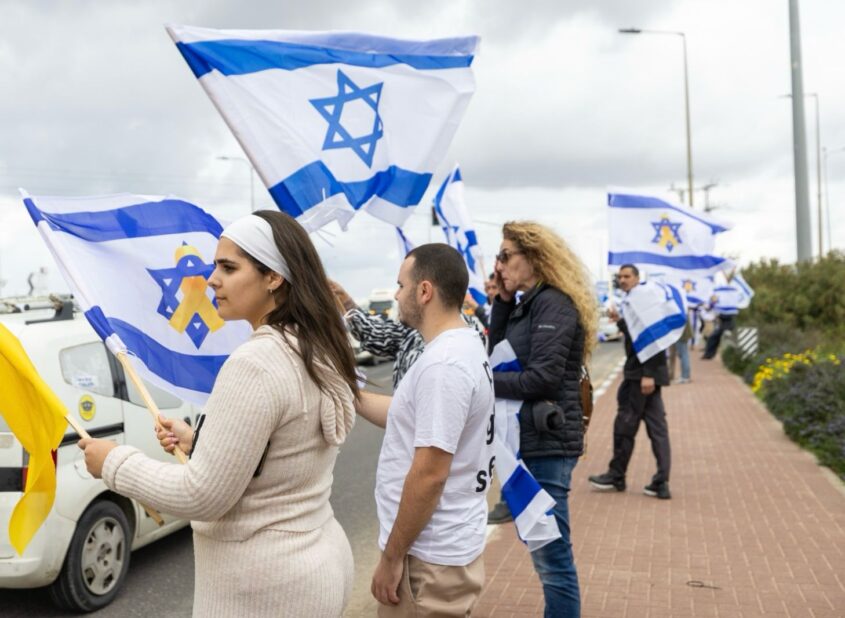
529	503
655	314
651	232
137	265
454	218
335	121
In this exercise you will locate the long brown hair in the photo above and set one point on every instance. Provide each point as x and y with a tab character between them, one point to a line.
308	303
556	264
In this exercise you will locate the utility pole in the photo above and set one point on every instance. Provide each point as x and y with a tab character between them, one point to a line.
803	236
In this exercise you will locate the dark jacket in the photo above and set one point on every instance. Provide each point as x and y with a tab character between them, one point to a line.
655	367
548	341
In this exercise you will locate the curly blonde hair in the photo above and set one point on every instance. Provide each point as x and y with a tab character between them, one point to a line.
558	266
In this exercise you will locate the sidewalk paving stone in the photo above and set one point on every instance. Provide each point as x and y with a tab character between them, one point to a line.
753	518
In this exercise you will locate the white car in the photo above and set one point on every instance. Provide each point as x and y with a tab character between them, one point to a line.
607	330
82	550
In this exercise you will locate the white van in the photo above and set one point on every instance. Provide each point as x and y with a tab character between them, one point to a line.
82	550
381	302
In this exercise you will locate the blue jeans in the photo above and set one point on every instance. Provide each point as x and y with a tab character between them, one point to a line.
682	348
555	563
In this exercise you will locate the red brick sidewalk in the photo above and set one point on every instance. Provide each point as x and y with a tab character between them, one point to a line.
752	517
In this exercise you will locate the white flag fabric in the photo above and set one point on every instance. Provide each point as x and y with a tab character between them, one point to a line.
528	502
336	121
454	218
697	289
651	232
138	265
655	314
405	245
733	296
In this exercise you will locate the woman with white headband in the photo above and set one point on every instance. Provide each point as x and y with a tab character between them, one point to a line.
258	483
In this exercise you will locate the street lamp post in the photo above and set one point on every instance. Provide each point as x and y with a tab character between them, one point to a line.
690	190
826	152
818	165
803	234
251	178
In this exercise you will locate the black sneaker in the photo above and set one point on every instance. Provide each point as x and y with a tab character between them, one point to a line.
499	514
607	481
657	490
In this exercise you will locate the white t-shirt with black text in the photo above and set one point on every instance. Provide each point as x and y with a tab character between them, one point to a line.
446	401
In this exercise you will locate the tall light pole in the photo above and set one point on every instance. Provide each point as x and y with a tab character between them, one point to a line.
826	152
251	178
690	191
818	166
803	236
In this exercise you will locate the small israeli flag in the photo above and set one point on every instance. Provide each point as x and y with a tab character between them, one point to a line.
651	232
655	314
529	503
733	296
405	245
335	121
454	218
137	265
697	289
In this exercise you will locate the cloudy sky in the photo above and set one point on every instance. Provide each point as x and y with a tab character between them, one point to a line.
94	98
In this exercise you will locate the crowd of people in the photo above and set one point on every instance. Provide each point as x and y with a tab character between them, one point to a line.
256	487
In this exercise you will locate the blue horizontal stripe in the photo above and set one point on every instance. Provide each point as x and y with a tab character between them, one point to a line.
519	490
168	216
621	200
315	183
664	326
196	373
682	262
478	296
512	365
242	56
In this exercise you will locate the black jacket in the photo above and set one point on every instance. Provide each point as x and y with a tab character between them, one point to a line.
655	367
549	343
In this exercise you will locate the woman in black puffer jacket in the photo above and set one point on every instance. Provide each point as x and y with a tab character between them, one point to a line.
552	330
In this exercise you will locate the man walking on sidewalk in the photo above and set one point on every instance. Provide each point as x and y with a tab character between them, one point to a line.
638	399
437	454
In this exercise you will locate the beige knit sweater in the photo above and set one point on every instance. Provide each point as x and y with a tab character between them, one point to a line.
262	395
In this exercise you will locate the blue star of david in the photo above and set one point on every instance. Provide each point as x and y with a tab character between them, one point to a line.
659	226
170	280
331	109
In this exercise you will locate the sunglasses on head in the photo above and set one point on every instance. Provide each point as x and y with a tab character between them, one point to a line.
505	255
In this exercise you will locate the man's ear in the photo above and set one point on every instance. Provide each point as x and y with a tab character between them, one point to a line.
425	292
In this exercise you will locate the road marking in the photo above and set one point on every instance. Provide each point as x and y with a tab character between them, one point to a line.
601	390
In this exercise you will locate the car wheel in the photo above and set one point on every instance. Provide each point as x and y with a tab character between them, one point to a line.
97	559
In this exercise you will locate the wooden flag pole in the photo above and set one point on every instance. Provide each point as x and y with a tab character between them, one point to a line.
80	431
148	400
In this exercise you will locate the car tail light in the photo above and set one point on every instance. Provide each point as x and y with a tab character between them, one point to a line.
25	468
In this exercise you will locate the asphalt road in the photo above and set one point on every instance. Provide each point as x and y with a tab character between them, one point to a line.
161	576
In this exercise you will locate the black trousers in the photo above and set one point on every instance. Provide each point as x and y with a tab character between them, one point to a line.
633	408
726	323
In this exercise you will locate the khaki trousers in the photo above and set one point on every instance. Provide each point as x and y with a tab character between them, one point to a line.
436	591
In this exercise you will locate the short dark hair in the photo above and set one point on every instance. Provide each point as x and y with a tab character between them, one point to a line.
633	268
445	268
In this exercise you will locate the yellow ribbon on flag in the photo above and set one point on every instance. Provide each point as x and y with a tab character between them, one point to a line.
37	418
194	298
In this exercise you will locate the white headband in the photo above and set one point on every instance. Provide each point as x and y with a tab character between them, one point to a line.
255	236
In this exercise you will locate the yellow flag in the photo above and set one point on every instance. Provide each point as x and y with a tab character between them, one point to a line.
37	418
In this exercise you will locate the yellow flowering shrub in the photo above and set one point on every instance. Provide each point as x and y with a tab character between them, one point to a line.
776	368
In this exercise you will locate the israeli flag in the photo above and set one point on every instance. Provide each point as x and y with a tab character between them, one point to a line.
405	245
697	289
335	121
530	504
733	296
454	218
656	314
650	232
137	265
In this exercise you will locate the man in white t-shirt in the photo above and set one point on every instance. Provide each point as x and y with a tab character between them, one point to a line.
437	454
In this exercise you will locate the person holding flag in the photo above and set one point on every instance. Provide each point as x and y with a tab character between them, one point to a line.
654	318
258	483
551	330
